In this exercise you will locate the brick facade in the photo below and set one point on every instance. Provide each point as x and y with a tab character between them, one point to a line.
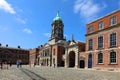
11	55
33	56
105	32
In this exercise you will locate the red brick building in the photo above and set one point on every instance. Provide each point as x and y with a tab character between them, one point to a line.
51	54
103	42
73	54
33	56
11	55
59	52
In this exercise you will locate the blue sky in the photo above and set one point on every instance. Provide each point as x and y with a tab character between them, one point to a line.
28	22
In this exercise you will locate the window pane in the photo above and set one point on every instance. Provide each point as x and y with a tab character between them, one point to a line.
100	25
113	57
100	58
91	29
113	20
113	40
100	42
90	44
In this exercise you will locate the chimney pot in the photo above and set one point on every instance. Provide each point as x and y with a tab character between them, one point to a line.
6	45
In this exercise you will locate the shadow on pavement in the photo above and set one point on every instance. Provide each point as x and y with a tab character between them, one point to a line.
32	75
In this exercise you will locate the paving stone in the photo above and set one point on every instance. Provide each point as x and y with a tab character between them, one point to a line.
50	73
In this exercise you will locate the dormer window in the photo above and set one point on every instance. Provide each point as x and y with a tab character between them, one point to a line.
113	20
100	25
91	29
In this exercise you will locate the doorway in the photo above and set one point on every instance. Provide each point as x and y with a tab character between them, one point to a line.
90	61
82	64
72	59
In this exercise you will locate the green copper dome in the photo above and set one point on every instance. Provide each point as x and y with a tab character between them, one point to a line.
57	18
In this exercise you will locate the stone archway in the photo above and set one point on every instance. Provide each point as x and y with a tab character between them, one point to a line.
72	59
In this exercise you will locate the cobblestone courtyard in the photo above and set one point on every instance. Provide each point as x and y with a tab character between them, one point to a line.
49	73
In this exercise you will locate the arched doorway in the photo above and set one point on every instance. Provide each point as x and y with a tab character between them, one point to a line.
72	59
90	61
82	64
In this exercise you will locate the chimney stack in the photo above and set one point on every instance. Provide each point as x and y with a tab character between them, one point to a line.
18	46
6	45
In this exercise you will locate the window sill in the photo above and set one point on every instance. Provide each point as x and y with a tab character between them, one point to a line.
113	24
100	48
100	63
113	64
112	46
90	50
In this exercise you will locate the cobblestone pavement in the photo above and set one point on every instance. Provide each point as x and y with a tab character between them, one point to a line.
49	73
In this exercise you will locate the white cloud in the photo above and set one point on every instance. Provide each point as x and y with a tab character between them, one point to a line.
28	31
87	8
47	35
4	5
21	20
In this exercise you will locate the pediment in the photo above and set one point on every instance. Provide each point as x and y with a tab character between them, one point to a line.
72	43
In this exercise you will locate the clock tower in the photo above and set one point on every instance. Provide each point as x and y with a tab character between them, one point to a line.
57	28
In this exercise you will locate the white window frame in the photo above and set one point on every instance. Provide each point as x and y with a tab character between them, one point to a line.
91	29
97	58
99	25
109	39
112	20
92	44
103	42
116	57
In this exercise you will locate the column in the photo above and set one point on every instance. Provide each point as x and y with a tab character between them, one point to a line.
66	58
76	59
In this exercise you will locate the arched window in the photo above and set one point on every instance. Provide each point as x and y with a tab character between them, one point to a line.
100	58
112	57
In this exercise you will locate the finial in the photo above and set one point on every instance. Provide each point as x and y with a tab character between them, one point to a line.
65	37
72	37
57	18
58	13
